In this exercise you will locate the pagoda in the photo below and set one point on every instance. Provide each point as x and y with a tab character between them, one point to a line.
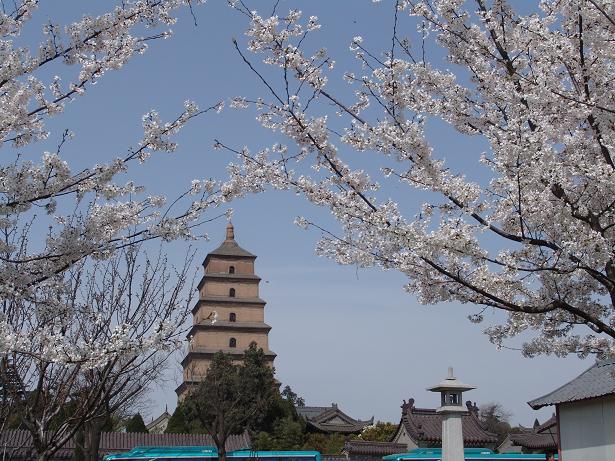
229	314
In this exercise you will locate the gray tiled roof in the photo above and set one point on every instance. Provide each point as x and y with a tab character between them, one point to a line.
368	448
425	425
596	381
19	442
231	248
534	441
311	412
331	419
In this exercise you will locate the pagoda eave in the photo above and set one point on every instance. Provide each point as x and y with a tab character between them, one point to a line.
227	300
237	354
244	327
228	278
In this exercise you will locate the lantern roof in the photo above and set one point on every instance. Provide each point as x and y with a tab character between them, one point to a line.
450	383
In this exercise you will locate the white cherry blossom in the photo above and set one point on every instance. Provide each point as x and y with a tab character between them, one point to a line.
535	238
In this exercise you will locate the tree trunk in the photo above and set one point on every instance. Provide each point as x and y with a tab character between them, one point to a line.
92	432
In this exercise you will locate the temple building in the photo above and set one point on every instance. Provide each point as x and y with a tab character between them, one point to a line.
331	420
543	438
421	428
229	314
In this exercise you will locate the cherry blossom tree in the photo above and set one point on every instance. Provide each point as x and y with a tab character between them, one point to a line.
129	291
535	237
53	217
86	320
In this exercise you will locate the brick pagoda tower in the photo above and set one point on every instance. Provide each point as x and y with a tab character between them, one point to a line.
229	289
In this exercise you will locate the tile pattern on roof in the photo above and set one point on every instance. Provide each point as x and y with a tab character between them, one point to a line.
19	442
363	447
597	381
425	425
332	419
535	441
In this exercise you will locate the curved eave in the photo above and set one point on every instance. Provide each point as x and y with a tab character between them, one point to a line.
227	257
217	300
184	386
228	278
240	327
209	354
351	429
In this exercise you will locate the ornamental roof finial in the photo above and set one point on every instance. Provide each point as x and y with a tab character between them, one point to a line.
230	231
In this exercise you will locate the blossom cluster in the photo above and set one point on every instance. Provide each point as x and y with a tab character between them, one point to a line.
54	218
536	237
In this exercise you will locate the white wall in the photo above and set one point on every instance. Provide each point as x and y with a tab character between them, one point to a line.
587	430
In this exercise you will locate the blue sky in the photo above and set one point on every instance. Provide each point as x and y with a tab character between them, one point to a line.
342	334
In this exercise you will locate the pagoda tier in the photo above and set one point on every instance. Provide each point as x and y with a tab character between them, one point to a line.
229	314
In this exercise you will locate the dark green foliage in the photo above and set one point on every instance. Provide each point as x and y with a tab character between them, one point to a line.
379	432
177	422
288	434
327	444
282	428
136	424
232	398
288	394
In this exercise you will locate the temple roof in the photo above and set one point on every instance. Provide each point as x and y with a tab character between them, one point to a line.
425	425
534	441
596	381
229	247
542	437
331	419
369	448
18	442
165	415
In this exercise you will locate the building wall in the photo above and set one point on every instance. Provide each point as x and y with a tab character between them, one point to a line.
507	447
402	436
220	340
221	288
242	313
221	266
587	430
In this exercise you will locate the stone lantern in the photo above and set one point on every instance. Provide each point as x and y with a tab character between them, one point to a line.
452	410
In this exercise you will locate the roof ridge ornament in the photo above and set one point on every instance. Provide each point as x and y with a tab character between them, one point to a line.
230	231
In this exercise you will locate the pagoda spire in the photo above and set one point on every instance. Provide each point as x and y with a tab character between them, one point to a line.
230	231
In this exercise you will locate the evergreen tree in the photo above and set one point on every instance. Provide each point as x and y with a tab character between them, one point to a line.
177	423
232	398
136	424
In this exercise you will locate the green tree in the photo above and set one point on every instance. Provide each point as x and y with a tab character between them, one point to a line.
232	398
136	424
288	434
327	444
177	422
289	395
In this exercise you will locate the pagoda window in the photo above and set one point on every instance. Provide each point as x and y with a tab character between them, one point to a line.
231	269
232	343
232	317
231	292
